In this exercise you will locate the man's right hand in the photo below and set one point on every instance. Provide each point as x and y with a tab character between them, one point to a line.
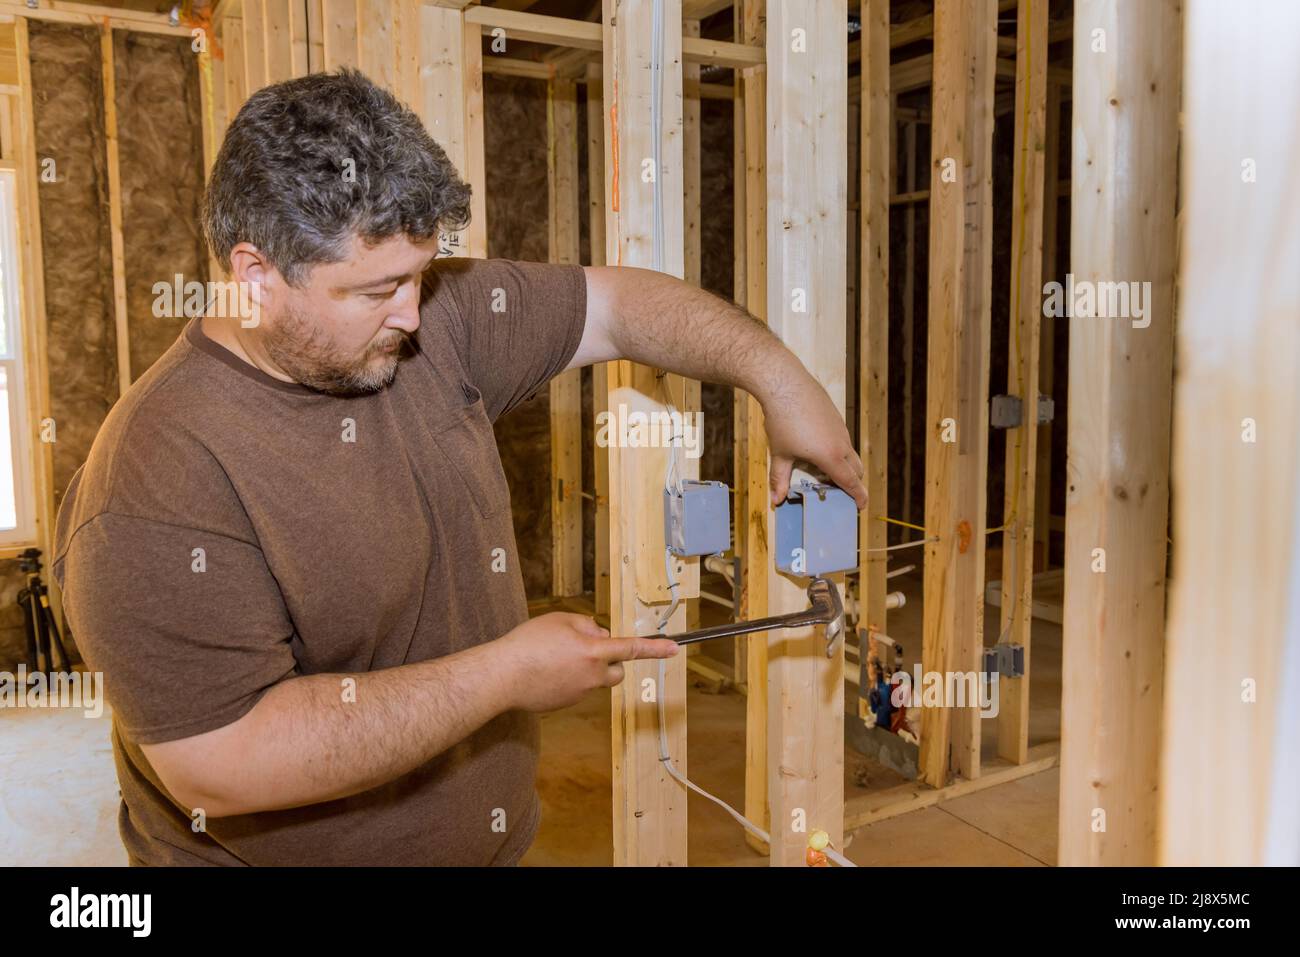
553	660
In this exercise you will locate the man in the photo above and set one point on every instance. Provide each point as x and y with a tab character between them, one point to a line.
290	549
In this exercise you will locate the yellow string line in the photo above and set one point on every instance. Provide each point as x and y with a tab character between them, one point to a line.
899	521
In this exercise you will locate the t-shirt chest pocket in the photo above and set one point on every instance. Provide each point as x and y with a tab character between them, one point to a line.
465	448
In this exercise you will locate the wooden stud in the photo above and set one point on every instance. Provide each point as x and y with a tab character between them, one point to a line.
751	437
692	256
961	243
873	329
851	247
909	313
691	253
807	106
280	20
1230	783
235	74
450	101
740	646
599	379
115	211
315	25
32	297
1122	229
1022	368
376	37
649	806
1047	336
254	22
566	388
339	46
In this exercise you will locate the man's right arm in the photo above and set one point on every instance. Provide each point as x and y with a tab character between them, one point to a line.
317	738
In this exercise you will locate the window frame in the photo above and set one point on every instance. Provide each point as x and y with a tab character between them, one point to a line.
24	533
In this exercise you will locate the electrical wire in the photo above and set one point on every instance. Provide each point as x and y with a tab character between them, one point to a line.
894	548
666	759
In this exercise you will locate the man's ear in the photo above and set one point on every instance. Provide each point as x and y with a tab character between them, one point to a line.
248	264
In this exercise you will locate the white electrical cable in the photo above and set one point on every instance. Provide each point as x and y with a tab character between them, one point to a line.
672	588
894	548
717	599
667	760
677	776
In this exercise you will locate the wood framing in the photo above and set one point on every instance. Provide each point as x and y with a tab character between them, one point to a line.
956	462
31	290
451	105
752	492
1230	782
234	88
1121	231
421	51
599	378
909	313
905	798
740	649
873	341
1022	368
807	102
122	334
85	14
566	388
581	35
649	806
1047	335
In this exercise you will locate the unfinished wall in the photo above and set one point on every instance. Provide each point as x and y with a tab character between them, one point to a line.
717	272
160	153
68	98
160	145
514	131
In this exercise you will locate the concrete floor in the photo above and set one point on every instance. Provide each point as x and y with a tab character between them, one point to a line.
58	789
59	797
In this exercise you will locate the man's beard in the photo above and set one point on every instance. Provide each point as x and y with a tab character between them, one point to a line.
297	347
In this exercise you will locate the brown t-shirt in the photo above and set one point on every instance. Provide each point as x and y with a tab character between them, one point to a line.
229	531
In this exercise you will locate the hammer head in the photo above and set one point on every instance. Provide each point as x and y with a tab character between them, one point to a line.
827	607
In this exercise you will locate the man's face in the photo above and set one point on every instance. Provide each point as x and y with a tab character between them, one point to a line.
346	328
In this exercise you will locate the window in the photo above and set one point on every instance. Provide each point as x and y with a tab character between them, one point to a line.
17	479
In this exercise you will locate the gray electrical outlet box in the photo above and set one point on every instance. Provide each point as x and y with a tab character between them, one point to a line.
816	530
1005	659
697	518
1046	409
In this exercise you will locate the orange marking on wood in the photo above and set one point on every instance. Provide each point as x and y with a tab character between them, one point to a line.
613	144
963	536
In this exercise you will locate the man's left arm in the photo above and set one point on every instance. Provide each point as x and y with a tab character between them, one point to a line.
660	321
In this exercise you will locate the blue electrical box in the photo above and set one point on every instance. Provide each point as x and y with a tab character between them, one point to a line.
816	530
697	518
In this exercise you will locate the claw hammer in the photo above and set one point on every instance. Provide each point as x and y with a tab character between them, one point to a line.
826	609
